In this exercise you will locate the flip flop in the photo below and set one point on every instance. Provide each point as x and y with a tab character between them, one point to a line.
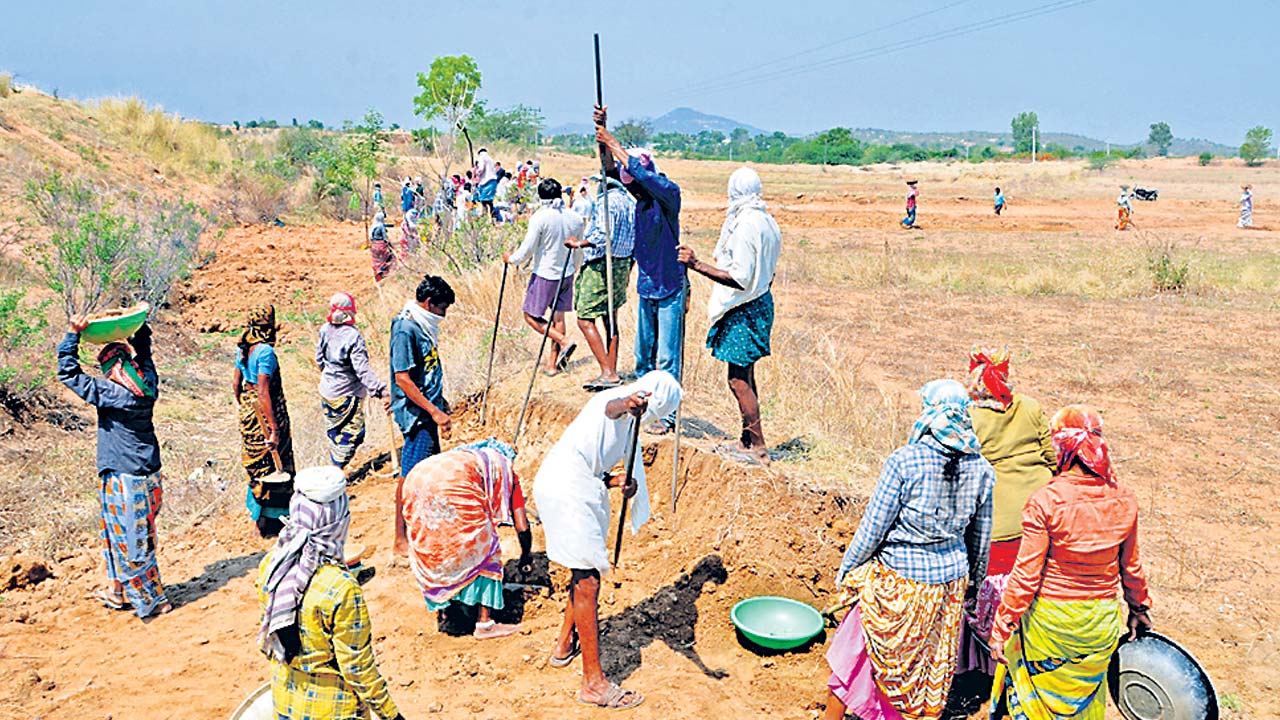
110	600
563	662
562	362
658	428
615	698
600	384
730	453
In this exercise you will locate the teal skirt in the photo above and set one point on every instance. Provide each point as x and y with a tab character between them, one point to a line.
741	337
481	591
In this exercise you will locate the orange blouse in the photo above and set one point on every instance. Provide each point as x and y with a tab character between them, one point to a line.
1079	542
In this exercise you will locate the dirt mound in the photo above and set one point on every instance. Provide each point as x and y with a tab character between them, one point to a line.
22	571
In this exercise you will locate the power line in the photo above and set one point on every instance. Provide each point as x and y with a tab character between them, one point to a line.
824	46
898	46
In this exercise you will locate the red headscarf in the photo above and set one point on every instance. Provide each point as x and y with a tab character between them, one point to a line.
989	377
1077	436
342	310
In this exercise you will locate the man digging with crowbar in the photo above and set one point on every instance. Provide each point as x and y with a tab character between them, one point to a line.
572	494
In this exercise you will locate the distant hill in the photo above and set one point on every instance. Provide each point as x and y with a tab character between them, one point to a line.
691	122
680	120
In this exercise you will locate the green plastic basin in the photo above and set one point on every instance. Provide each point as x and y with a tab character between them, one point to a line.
119	325
776	623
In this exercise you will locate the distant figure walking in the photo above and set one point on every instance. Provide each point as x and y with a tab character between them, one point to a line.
1246	207
1124	210
999	201
912	193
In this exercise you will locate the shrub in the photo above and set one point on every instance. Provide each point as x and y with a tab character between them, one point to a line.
22	327
1205	158
100	253
1100	160
1168	274
6	85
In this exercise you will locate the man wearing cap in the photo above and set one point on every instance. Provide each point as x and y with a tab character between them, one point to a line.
660	282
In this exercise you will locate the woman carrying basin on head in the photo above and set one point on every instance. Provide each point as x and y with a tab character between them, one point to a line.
1059	620
922	542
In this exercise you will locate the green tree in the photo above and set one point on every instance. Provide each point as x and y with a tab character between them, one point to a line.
1024	125
633	133
1206	158
448	91
1257	145
1160	138
520	123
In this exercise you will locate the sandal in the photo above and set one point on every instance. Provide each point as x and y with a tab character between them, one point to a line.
562	362
563	662
729	452
599	384
111	600
615	698
658	428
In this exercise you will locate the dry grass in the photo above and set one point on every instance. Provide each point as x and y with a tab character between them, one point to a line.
165	138
6	84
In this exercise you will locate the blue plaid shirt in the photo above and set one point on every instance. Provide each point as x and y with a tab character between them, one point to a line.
923	526
622	218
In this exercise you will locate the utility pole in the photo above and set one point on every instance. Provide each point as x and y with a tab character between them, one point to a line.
1108	148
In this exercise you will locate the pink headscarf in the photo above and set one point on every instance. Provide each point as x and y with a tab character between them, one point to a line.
342	310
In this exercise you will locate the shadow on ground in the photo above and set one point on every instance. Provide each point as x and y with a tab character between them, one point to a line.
669	615
215	576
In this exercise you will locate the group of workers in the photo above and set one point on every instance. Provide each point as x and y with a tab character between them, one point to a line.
996	541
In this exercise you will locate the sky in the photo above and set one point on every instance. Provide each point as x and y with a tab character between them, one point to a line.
1105	68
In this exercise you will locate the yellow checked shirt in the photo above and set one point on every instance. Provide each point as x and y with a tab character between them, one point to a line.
334	676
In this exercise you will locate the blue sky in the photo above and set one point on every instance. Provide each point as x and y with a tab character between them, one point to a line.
1106	68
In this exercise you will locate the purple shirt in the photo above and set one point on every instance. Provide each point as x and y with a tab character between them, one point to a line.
344	364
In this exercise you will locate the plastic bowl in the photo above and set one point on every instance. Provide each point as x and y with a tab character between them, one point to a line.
776	623
116	325
1154	678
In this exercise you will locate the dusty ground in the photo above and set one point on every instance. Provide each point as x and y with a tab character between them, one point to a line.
867	313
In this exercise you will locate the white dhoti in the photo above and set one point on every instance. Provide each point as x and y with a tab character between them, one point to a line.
569	489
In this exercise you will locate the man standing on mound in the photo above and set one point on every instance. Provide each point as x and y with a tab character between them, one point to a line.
572	493
660	283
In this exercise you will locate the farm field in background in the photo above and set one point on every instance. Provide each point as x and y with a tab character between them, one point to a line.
1187	380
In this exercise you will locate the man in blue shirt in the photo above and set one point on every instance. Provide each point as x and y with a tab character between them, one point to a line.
417	390
406	196
660	282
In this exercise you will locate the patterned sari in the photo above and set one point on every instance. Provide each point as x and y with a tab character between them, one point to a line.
130	504
344	424
453	505
903	635
273	499
1058	660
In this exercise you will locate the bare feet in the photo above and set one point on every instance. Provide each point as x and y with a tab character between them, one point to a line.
494	630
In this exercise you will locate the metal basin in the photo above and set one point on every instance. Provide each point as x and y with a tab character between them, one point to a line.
776	623
1154	678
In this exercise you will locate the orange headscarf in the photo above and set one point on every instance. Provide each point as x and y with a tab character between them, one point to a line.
989	377
1077	436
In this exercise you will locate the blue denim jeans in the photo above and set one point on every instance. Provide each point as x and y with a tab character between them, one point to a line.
658	335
